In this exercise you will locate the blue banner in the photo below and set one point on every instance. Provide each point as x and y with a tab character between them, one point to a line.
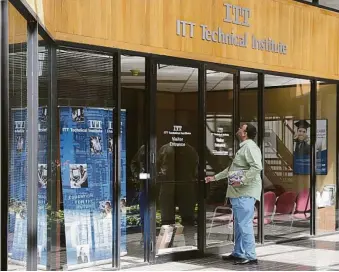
18	187
86	146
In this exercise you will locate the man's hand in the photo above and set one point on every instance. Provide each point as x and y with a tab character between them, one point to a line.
209	179
236	184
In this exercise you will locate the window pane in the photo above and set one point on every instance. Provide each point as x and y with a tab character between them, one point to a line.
248	110
85	130
287	157
134	190
42	166
326	157
219	154
17	224
330	3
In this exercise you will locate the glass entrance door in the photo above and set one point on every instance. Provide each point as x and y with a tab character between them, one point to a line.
133	194
177	158
219	150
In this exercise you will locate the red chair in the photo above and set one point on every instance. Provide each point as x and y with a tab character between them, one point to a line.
302	206
269	208
285	207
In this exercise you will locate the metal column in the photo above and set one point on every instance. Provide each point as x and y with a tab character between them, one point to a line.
261	144
151	148
32	144
116	182
337	163
52	155
202	161
313	155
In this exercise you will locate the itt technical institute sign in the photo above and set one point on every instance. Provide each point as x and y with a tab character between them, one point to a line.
233	15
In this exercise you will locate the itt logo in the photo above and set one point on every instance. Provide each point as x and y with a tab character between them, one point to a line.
177	128
95	124
20	124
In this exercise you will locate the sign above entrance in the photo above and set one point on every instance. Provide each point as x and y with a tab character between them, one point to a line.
234	15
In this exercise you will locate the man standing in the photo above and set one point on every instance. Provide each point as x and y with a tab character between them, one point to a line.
244	188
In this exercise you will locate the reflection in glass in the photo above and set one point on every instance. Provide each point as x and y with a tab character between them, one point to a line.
248	111
177	158
133	106
43	182
85	116
326	166
329	3
287	157
17	191
219	153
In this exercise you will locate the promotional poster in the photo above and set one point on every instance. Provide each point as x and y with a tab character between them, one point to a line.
302	147
86	146
18	187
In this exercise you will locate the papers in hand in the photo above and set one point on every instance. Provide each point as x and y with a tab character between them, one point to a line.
236	177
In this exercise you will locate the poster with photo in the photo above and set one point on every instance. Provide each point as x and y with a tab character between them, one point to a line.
302	147
18	187
86	147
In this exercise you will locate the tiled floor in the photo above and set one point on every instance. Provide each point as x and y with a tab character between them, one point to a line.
319	253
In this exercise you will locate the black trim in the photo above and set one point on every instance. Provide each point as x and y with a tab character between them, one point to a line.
313	155
116	182
202	160
236	110
45	34
32	145
52	155
151	150
316	4
337	162
176	61
261	144
186	62
4	111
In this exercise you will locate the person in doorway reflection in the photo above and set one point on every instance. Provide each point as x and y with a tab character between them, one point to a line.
137	167
108	210
301	139
177	168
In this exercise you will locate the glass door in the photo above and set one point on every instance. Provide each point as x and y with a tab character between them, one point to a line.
177	158
219	150
133	193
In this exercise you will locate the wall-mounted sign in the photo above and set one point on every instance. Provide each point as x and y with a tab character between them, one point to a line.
233	15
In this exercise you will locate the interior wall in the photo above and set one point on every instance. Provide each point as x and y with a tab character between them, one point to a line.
279	102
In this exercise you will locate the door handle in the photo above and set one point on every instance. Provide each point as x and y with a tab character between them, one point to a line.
144	176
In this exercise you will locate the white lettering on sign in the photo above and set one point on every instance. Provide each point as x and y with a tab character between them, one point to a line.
237	15
234	15
95	124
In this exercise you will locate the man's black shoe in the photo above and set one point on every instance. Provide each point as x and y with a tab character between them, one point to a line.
245	261
231	258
